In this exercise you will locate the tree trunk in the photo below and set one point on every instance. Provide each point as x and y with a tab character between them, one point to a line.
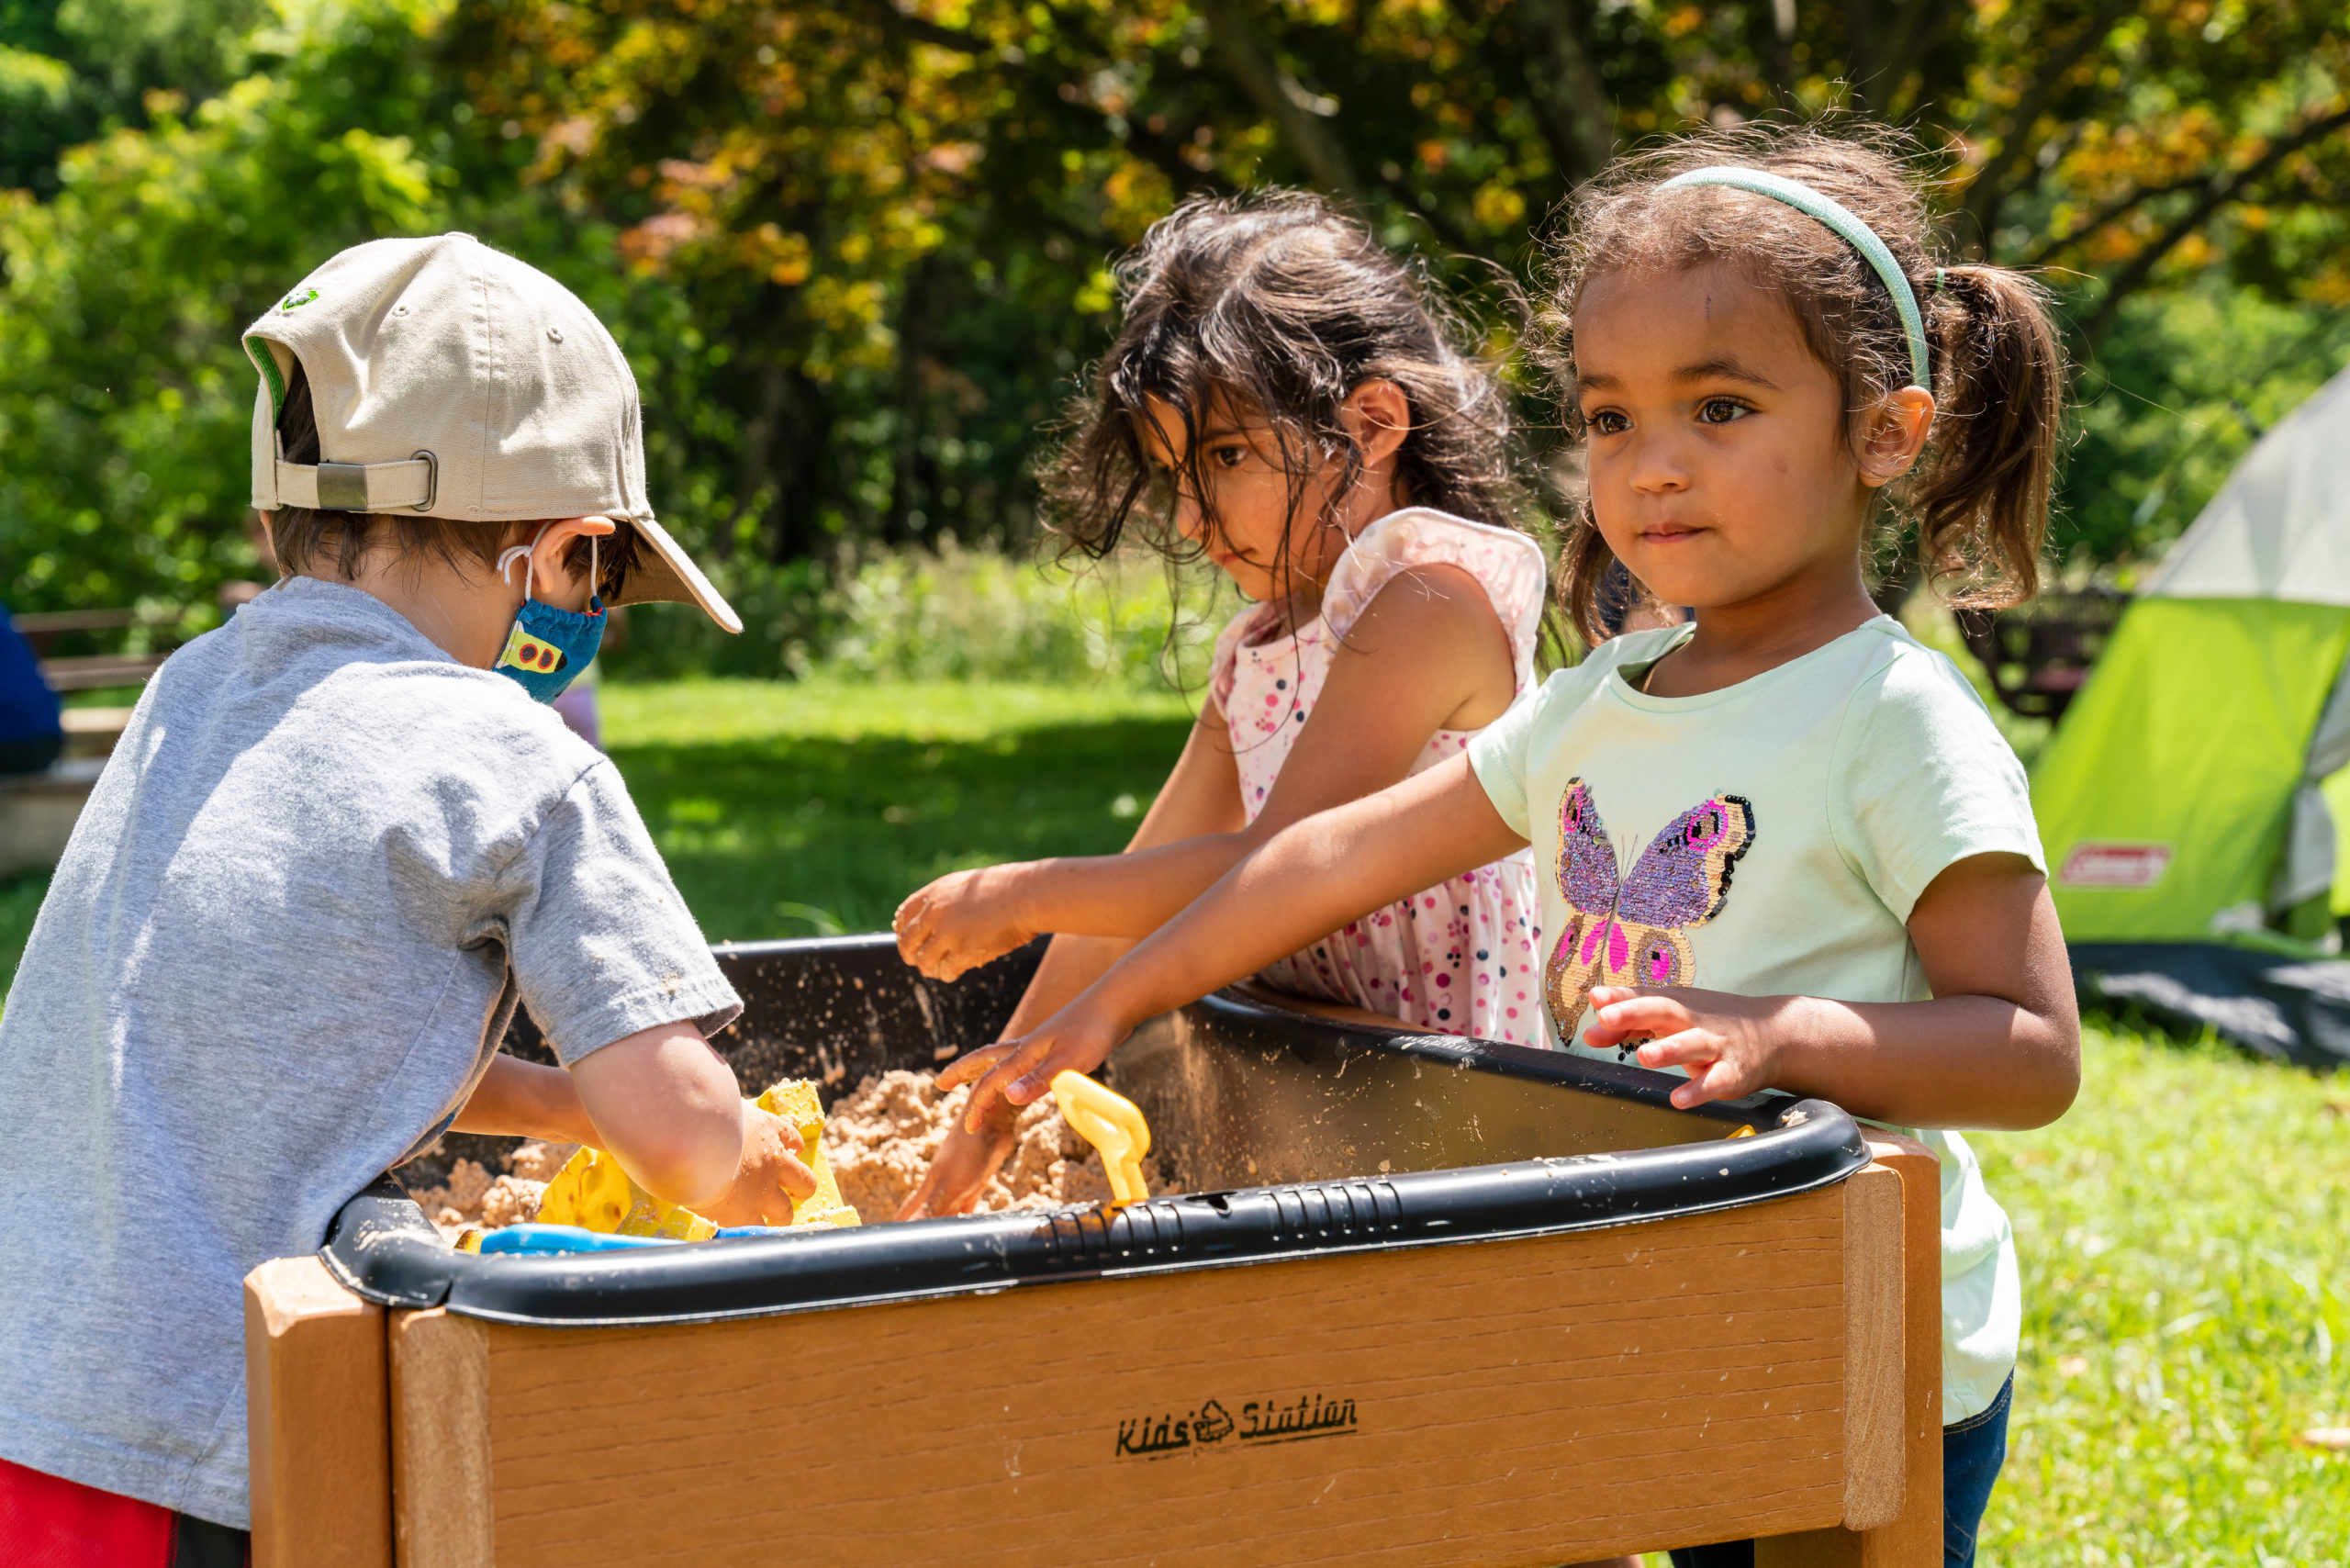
794	517
1578	120
1281	98
752	463
913	347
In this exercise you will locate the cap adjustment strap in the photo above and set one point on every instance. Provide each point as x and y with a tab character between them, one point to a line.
360	487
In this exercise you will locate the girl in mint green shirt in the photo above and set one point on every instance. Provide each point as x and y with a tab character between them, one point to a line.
1781	846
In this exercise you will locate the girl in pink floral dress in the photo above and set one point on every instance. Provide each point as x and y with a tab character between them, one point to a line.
1457	959
1291	402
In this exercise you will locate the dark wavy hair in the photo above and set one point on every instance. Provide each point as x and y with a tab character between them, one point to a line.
1277	306
1978	499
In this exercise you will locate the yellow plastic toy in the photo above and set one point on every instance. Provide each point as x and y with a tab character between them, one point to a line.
795	1101
1110	1122
592	1191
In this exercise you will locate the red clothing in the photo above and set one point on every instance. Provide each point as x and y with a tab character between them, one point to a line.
47	1521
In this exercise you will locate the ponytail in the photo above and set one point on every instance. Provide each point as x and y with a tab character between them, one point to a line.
1980	500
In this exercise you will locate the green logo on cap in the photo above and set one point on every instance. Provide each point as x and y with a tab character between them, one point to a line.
296	301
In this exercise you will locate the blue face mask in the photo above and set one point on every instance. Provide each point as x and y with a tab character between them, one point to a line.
548	646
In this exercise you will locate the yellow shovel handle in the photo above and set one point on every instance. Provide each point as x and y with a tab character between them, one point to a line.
1110	1122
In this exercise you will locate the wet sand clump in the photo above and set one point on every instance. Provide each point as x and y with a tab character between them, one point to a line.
881	1134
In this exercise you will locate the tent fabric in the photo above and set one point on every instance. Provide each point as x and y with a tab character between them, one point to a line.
2287	1010
2306	870
2165	797
2277	529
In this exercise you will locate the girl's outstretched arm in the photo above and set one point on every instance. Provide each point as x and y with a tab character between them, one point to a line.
1305	881
1426	655
1999	1045
1200	796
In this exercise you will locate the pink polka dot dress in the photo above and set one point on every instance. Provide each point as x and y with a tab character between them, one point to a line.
1455	959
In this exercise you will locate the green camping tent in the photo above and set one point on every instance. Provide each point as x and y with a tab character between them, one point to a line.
2192	801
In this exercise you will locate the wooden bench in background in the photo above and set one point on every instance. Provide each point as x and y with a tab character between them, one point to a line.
93	672
38	810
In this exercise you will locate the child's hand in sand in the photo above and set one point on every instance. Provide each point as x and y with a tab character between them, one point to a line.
962	921
966	1160
1077	1038
771	1178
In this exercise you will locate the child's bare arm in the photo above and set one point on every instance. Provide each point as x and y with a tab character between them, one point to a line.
663	1104
523	1099
967	918
1426	655
1998	1047
1202	795
1306	882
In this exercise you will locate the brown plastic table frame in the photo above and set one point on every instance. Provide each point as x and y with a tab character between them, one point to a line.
1771	1371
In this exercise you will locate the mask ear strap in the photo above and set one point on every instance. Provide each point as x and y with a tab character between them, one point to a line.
595	581
530	566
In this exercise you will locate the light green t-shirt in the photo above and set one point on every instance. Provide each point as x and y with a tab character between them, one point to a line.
1770	839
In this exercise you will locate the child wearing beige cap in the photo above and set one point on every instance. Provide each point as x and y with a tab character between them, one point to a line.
341	838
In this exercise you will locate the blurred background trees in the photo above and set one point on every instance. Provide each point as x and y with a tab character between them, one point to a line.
858	251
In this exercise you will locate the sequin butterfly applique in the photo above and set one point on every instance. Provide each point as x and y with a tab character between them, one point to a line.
1629	930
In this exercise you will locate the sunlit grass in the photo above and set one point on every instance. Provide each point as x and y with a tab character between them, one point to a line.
20	901
2185	1235
789	809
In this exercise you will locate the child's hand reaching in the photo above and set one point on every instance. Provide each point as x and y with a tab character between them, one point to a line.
1730	1044
1077	1038
958	1172
961	921
770	1178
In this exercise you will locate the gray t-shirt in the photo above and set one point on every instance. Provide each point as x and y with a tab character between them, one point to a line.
286	936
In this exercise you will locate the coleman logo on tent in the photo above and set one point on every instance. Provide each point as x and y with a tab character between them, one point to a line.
2115	866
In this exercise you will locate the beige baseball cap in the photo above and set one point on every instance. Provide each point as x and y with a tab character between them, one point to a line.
452	380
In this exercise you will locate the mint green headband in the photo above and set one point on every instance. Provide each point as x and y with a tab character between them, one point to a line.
1848	227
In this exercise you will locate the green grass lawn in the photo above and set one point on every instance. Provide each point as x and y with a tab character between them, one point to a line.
2185	1236
2185	1232
791	809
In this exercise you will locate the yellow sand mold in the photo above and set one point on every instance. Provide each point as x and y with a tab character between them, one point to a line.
591	1191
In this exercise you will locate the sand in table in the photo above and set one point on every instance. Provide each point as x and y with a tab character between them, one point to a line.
880	1137
473	1198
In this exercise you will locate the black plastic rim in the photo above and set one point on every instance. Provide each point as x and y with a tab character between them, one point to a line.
382	1247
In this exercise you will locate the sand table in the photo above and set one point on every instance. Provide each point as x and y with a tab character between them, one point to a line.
878	1140
880	1137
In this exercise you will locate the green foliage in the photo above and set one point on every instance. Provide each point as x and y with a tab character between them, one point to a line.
121	384
125	400
71	71
2185	383
961	614
2182	1234
857	254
